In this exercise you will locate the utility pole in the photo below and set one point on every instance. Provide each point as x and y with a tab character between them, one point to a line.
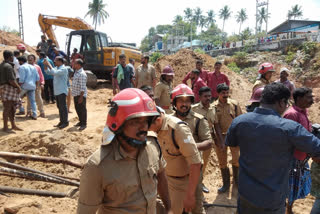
20	20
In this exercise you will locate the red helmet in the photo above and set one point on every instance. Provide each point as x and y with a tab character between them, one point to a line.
127	104
265	67
256	96
21	46
181	90
167	71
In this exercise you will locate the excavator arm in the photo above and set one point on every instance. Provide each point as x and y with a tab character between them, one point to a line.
46	22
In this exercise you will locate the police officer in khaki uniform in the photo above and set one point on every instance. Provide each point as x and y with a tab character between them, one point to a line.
163	89
206	109
182	98
145	73
183	163
226	110
123	176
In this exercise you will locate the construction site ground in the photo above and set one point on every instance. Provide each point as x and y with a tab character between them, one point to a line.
41	138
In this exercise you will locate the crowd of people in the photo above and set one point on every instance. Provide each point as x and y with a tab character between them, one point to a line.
158	138
43	78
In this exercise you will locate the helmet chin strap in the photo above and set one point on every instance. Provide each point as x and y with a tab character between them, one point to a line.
132	142
182	114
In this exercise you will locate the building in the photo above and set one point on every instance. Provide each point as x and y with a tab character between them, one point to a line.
296	26
171	43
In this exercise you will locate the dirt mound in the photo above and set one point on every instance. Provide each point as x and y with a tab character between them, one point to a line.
184	61
11	39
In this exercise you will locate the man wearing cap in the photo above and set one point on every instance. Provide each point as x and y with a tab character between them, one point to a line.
197	83
203	73
264	77
145	73
182	98
284	73
124	174
183	163
215	78
227	110
255	100
23	50
163	89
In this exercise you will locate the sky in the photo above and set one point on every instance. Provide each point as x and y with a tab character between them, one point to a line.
130	20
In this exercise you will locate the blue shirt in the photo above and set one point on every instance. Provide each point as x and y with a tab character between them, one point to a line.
128	75
28	76
60	79
61	53
45	75
267	142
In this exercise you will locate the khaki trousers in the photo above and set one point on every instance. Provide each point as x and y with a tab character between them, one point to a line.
205	155
177	191
222	155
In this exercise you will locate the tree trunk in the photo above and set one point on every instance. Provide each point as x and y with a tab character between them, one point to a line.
240	28
223	26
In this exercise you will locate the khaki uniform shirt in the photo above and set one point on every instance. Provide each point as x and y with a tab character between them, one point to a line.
145	76
226	112
112	182
162	92
260	83
209	114
200	133
178	159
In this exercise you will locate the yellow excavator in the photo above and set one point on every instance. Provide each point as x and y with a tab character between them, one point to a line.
100	54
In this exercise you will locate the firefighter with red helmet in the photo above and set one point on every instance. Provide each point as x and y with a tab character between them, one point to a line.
255	99
123	175
163	89
265	73
182	98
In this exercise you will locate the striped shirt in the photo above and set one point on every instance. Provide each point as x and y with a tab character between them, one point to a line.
79	83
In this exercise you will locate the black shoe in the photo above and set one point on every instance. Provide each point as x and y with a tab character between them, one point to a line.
59	124
82	128
20	113
64	125
205	189
226	180
78	124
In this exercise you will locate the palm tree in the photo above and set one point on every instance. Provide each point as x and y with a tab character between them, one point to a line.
210	18
97	12
263	17
295	12
202	22
241	17
177	19
188	14
197	16
224	14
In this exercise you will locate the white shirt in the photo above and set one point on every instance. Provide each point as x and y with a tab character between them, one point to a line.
16	66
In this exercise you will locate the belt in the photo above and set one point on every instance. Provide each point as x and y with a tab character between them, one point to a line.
165	107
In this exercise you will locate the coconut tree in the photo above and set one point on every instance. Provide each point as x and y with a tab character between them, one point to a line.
203	22
197	15
295	12
224	14
188	14
97	12
241	17
263	17
210	18
177	19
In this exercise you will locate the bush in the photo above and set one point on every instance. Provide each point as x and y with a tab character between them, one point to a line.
290	57
240	58
233	66
200	51
155	56
309	48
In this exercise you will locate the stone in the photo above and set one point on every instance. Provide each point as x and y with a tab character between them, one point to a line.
15	206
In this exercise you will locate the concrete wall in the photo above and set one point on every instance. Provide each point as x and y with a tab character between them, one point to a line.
270	46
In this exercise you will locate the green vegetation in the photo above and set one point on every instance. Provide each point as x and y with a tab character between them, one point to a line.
233	67
155	56
97	12
6	28
290	57
309	48
200	51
